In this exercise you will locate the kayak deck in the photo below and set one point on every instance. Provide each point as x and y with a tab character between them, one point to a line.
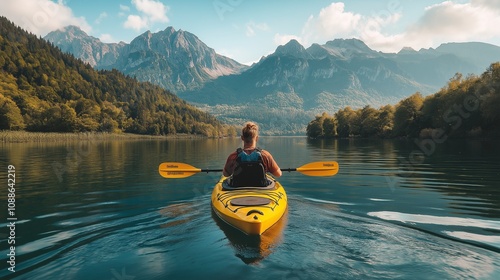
252	210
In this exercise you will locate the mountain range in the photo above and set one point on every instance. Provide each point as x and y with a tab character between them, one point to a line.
175	60
284	90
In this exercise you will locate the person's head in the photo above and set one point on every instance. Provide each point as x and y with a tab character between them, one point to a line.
250	132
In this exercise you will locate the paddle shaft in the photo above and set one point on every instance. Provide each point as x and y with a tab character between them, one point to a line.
283	170
183	170
220	170
289	169
211	170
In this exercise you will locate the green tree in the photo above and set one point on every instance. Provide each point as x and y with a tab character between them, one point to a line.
10	115
407	115
347	122
385	122
368	118
315	127
323	126
329	127
489	90
59	118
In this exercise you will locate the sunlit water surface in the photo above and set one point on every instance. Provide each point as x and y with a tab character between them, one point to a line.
100	210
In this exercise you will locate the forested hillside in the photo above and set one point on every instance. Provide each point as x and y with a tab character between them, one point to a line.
44	89
465	107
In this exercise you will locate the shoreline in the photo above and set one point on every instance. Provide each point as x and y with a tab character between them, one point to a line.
7	136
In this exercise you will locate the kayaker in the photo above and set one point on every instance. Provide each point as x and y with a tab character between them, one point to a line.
250	136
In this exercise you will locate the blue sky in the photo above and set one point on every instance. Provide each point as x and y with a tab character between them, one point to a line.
245	30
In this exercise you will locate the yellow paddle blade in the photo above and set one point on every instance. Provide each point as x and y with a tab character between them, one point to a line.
319	168
182	170
177	170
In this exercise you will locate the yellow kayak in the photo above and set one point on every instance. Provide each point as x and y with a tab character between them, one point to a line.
252	210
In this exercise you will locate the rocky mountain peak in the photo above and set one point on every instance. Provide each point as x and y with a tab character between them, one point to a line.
175	60
407	50
348	43
349	47
74	40
292	48
146	36
68	34
74	31
169	30
185	40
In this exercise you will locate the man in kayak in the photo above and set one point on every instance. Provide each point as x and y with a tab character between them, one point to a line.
248	165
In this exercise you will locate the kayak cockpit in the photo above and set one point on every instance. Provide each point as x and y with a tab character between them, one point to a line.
226	185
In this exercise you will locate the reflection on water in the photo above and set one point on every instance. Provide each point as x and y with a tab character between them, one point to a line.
436	220
335	244
493	241
253	249
99	209
179	213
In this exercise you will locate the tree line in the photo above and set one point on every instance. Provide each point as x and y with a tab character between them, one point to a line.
44	89
465	107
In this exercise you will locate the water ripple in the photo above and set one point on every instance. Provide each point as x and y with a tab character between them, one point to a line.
437	220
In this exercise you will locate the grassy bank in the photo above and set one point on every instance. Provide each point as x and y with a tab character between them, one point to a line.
7	136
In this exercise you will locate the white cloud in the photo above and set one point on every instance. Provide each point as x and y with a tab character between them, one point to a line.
331	22
457	20
251	28
154	10
101	17
492	4
334	20
107	38
136	22
444	22
282	39
447	21
151	12
41	16
124	8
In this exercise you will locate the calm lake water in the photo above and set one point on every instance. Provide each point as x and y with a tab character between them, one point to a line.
100	210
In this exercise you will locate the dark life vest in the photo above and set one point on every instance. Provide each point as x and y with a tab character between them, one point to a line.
249	171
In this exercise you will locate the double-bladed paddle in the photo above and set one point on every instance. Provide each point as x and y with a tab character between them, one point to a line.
183	170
